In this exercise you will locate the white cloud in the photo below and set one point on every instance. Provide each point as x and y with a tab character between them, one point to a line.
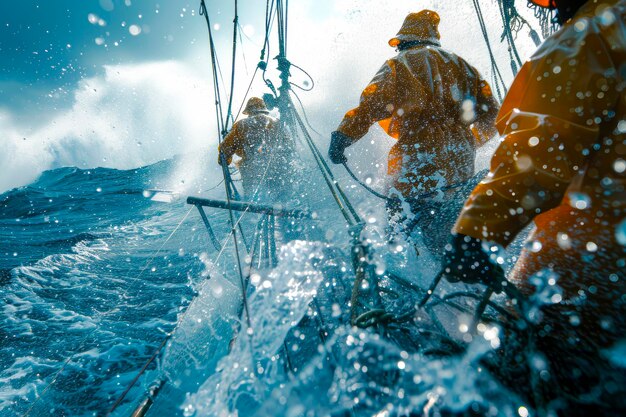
133	115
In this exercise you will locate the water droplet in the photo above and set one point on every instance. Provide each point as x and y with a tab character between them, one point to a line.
581	201
533	141
535	246
134	30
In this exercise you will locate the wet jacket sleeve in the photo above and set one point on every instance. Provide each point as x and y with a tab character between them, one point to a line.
484	127
550	123
375	104
231	144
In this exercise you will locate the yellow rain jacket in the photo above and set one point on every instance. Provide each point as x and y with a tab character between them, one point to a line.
250	138
265	152
429	100
562	164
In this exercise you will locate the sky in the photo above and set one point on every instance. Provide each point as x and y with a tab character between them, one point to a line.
125	83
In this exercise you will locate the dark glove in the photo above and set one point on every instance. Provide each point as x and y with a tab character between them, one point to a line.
467	261
338	143
221	157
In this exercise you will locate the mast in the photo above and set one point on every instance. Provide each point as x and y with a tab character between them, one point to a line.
285	106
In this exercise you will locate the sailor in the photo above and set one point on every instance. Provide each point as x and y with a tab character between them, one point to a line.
265	150
439	109
562	165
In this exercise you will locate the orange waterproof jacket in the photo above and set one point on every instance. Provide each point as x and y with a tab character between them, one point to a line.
564	128
427	99
562	163
256	137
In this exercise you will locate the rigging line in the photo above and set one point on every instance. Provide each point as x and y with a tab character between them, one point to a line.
221	77
306	119
265	57
322	165
227	184
162	245
341	199
365	186
494	65
483	28
243	53
168	335
286	24
136	378
216	89
413	199
171	333
229	113
56	375
215	186
507	18
217	69
99	315
247	92
307	74
484	31
269	16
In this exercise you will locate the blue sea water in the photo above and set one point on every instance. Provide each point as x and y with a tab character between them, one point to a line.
90	285
93	277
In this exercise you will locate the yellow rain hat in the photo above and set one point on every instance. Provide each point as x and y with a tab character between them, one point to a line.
255	105
420	26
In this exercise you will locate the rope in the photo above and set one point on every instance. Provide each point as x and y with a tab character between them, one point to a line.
362	184
165	339
170	334
54	379
229	113
509	16
417	198
346	208
497	76
162	245
215	186
229	187
308	75
247	92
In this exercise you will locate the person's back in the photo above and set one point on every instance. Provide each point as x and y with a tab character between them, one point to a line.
440	97
266	153
440	110
562	165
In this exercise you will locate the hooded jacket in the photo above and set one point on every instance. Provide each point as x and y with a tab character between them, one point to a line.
429	100
562	164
